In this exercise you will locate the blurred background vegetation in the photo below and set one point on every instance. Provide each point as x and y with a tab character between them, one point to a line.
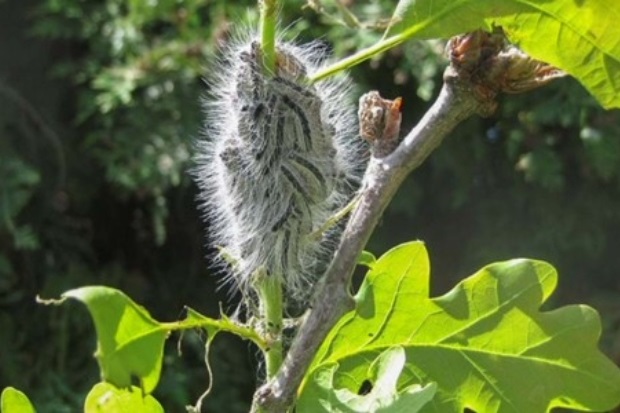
99	112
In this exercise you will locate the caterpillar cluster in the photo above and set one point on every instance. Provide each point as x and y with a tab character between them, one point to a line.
280	156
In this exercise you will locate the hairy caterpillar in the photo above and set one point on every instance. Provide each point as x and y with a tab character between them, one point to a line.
280	157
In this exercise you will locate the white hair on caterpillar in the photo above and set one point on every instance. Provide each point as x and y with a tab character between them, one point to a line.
279	157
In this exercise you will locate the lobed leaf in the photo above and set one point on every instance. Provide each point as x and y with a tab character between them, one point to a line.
382	398
130	343
579	37
485	343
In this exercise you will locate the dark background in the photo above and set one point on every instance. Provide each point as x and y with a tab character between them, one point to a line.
99	110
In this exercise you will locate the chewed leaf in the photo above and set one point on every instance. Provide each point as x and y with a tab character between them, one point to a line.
383	396
106	398
129	342
580	38
482	343
14	401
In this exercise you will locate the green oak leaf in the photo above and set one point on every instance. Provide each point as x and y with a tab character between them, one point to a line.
429	19
14	401
485	343
579	37
130	343
382	398
106	398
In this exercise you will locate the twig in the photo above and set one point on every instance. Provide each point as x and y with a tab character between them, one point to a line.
269	289
268	24
481	67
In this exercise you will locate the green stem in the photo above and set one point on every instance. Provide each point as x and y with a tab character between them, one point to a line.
358	57
335	219
269	288
223	324
365	54
268	23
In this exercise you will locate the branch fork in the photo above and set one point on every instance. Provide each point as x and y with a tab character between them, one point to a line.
478	72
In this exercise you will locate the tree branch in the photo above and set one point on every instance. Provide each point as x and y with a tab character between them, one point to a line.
455	103
482	65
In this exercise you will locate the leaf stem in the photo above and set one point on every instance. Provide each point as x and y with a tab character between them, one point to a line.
358	57
268	23
365	54
223	324
269	288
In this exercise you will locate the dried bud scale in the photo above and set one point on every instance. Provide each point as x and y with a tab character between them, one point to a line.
280	157
493	66
379	121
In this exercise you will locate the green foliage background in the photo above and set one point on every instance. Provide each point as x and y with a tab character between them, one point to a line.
99	109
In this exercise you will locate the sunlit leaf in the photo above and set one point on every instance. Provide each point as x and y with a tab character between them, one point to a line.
485	343
129	342
14	401
580	37
106	398
383	396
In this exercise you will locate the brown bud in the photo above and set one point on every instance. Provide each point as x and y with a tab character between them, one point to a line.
380	122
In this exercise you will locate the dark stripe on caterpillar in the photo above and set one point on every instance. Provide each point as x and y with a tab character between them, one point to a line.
282	220
310	168
297	186
305	126
302	91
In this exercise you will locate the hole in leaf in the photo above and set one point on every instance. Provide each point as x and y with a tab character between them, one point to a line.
365	388
136	381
